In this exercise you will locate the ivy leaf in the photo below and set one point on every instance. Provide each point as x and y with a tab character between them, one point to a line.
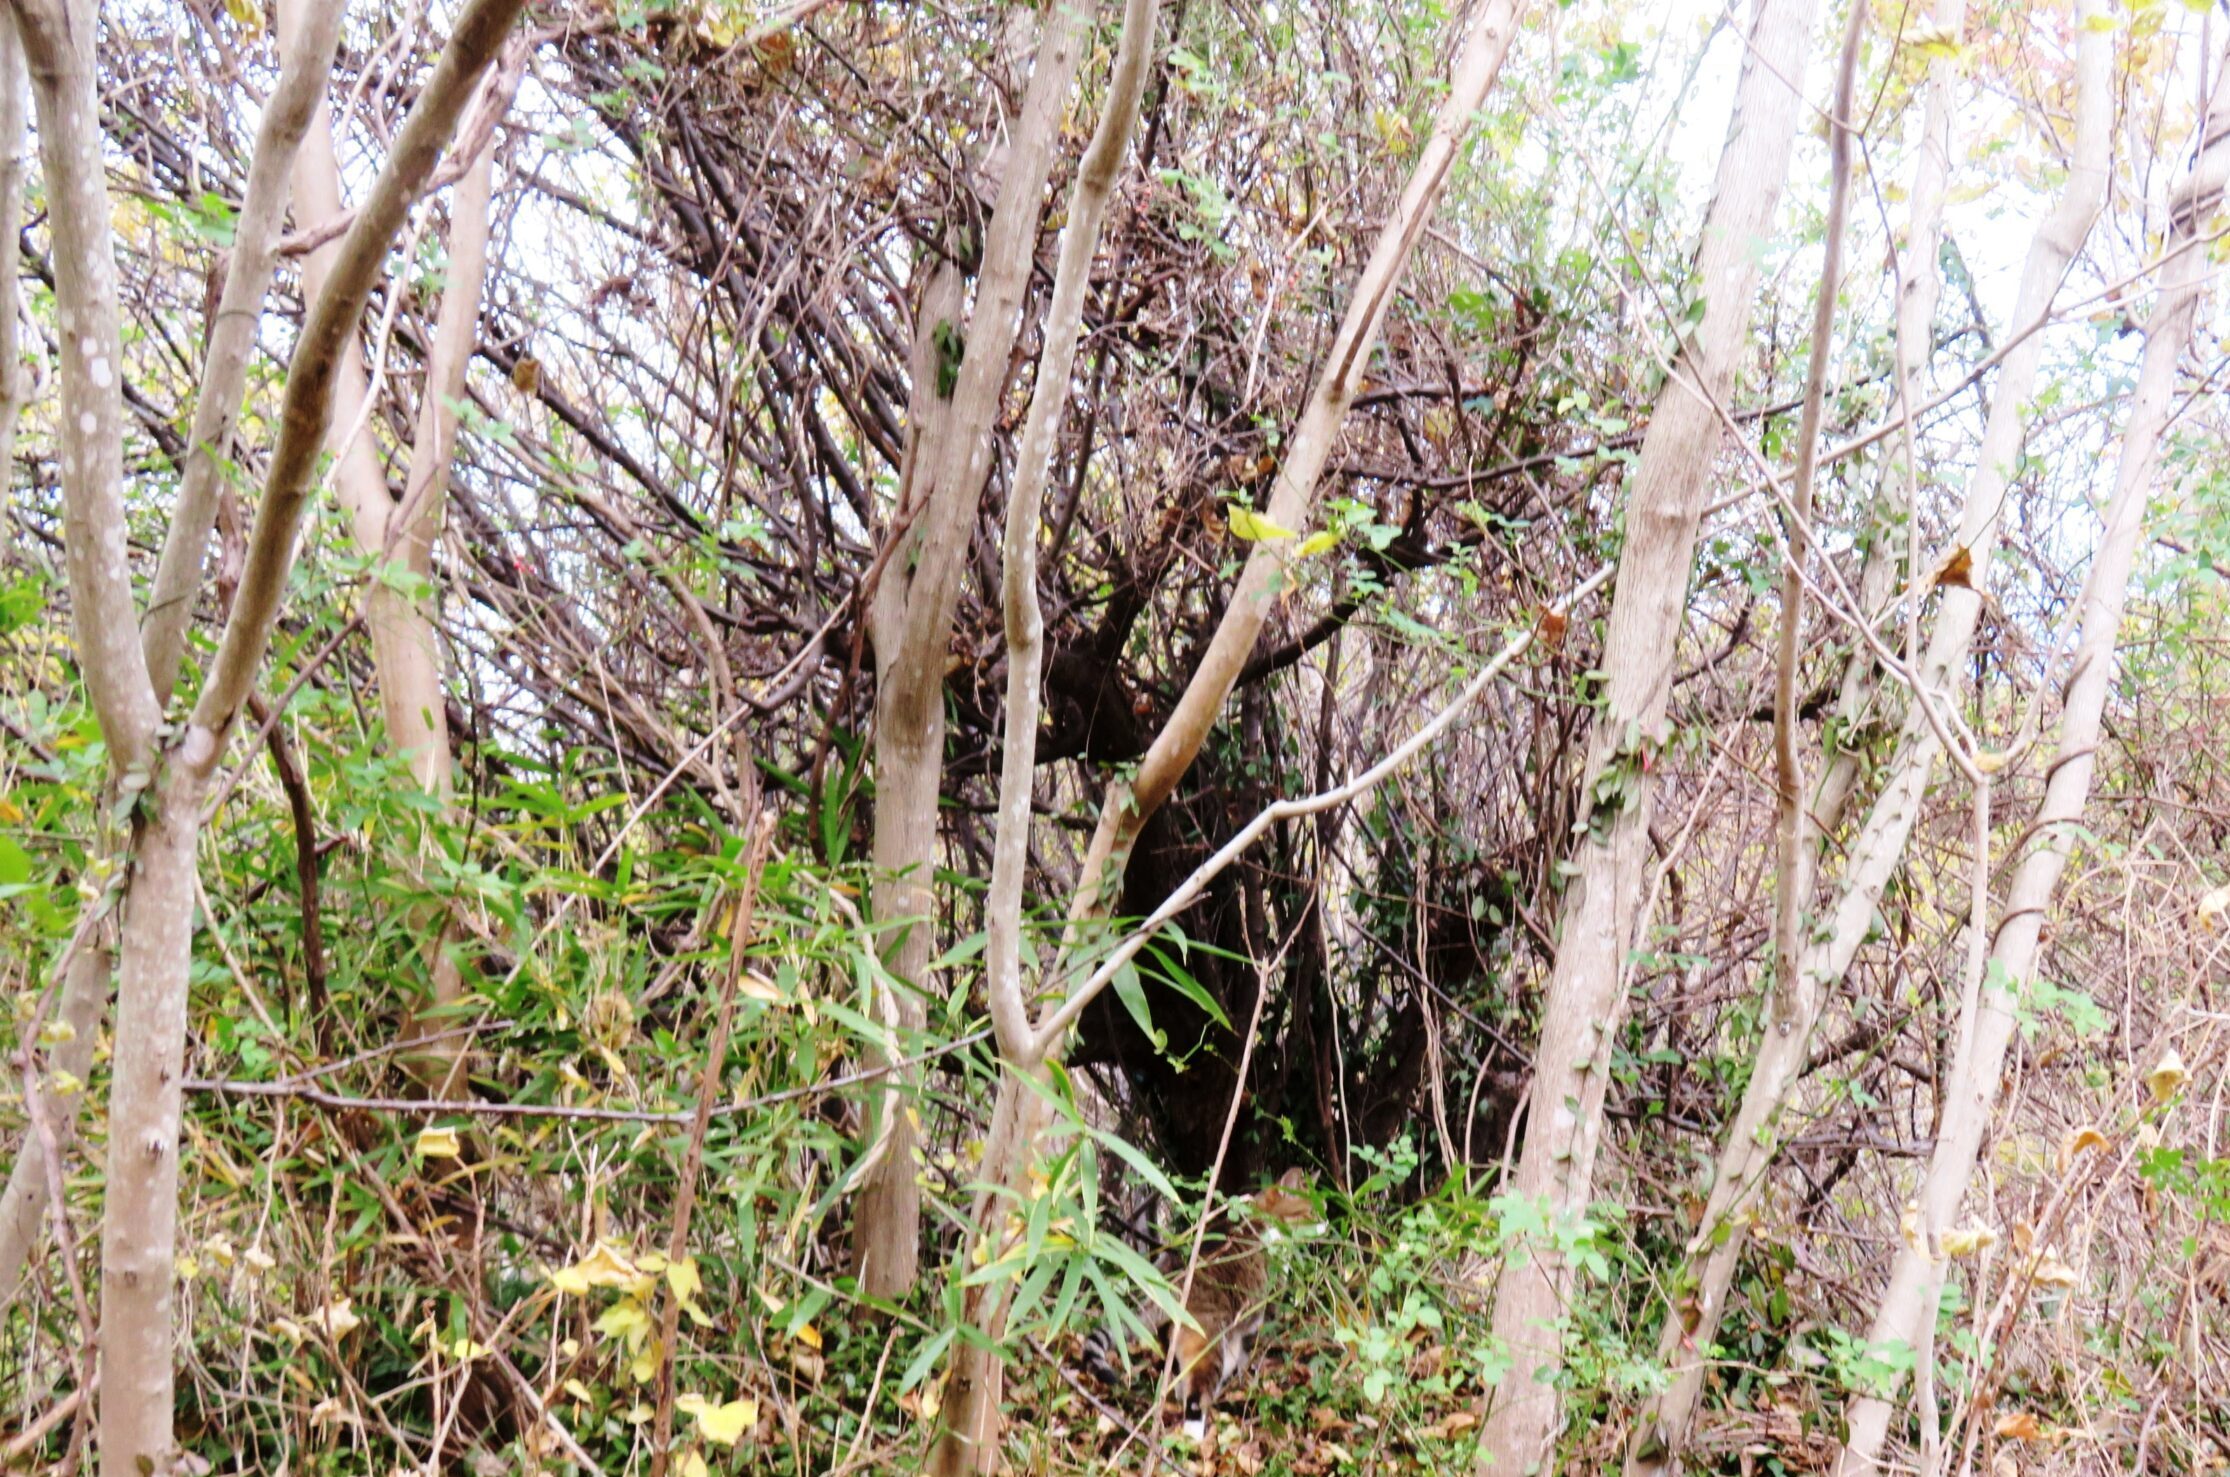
724	1424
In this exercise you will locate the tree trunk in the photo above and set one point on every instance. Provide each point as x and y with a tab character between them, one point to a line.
304	69
1700	1287
167	786
1906	1313
400	533
13	104
917	595
968	1440
1586	994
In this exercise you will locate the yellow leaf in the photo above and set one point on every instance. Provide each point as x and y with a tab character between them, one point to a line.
1908	1226
185	1265
758	987
245	12
2052	1272
693	1465
2167	1077
1968	1240
682	1277
1255	527
438	1143
603	1267
2098	23
724	1424
64	1084
1322	541
464	1351
808	1335
54	1033
578	1391
624	1319
639	1413
1934	41
644	1366
1990	761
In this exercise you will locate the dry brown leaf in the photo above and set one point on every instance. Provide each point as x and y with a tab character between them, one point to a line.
2081	1141
1958	569
2018	1425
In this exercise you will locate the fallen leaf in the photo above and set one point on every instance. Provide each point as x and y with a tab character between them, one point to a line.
438	1143
2018	1425
1549	627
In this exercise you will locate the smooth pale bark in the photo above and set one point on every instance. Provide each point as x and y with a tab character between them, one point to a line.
918	592
968	1439
1586	996
306	64
401	532
139	1218
58	42
23	1205
1907	1309
304	70
14	102
1715	1252
909	767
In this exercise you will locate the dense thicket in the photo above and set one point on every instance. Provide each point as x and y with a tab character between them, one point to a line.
450	1019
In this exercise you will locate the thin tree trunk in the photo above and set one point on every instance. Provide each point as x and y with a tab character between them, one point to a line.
1713	1255
1907	1309
304	69
1920	284
969	1439
1586	996
14	102
400	533
306	64
167	787
916	598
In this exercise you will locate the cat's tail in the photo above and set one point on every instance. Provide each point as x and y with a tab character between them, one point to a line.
1107	1350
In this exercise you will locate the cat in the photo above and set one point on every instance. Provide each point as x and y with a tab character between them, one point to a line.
1230	1293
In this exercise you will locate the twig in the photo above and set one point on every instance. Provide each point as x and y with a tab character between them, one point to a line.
299	1088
